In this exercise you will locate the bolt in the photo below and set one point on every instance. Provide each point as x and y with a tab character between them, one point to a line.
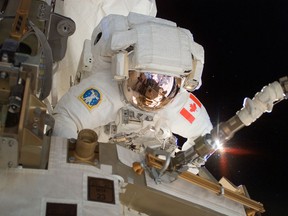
3	75
71	159
4	57
10	164
11	143
72	140
35	125
37	111
3	141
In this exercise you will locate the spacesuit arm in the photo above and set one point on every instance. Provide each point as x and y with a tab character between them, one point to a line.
64	126
67	115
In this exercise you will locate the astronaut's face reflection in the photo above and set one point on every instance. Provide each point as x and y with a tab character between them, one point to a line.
150	91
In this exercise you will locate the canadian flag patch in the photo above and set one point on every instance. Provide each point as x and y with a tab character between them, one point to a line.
190	108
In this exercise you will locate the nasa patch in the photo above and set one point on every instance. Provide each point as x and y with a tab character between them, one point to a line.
91	98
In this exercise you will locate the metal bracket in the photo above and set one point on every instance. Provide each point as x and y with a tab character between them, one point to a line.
60	28
8	152
155	171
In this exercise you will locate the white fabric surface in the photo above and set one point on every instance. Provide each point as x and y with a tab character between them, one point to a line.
24	192
87	15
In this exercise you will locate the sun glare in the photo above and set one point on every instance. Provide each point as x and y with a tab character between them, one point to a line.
219	145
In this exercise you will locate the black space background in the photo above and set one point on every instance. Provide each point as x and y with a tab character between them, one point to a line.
246	48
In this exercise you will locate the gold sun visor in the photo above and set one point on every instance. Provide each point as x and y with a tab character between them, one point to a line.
150	91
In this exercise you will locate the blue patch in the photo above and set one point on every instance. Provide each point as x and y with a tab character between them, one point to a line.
90	98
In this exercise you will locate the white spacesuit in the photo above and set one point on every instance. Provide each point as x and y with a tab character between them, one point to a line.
137	88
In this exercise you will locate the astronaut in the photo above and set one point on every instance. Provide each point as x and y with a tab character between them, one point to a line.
144	70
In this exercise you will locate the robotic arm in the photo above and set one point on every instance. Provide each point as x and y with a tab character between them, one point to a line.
205	146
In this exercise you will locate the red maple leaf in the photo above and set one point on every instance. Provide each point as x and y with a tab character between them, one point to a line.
193	107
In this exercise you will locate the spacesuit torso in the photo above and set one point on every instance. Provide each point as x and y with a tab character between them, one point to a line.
96	104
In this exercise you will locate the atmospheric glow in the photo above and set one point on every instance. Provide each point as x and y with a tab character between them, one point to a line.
224	161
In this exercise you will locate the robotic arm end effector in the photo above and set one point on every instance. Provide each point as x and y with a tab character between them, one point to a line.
263	101
284	84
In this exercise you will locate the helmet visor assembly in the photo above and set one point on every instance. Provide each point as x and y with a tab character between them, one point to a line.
149	57
150	91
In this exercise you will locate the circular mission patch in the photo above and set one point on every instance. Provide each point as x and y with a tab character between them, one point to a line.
90	98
